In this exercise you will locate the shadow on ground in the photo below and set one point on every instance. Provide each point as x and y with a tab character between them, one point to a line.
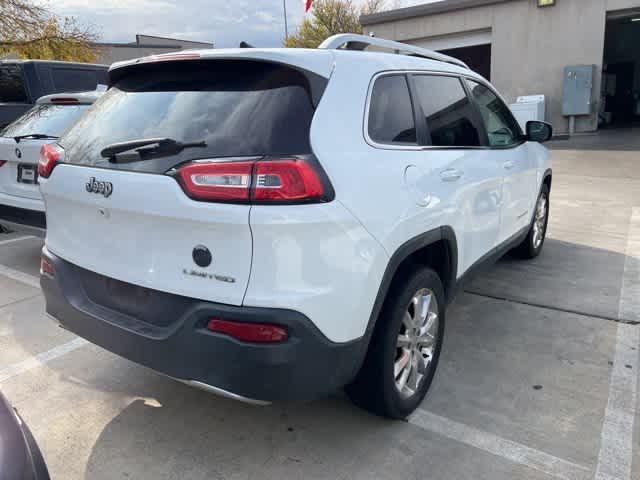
565	276
191	434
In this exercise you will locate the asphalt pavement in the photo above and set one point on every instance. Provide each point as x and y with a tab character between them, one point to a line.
538	377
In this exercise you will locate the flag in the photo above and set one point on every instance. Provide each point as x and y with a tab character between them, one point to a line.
307	5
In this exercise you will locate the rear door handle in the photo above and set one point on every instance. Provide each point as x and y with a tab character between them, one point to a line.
508	165
451	175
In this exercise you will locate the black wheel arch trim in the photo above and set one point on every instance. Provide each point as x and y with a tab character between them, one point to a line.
548	173
393	265
411	246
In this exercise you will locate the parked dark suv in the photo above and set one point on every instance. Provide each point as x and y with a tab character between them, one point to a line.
22	82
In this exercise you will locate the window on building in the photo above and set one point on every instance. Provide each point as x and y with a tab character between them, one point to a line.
502	128
449	114
391	118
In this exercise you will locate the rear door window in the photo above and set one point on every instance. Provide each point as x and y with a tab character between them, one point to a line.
238	108
391	117
450	116
46	119
12	89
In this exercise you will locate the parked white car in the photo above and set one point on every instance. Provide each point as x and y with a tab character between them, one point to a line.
274	224
21	205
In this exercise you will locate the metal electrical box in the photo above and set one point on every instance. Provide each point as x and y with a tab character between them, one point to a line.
577	90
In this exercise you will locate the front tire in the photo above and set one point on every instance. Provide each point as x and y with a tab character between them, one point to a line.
531	246
405	347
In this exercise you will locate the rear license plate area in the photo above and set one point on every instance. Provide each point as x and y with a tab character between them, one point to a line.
27	174
143	304
129	298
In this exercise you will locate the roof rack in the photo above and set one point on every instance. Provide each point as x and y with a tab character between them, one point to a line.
352	41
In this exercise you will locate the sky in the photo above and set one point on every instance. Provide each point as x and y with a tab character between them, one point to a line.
223	22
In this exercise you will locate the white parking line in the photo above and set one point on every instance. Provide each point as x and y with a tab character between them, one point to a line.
19	276
501	447
629	308
16	239
616	440
41	359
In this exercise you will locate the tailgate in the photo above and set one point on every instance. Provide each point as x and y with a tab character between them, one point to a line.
18	177
144	233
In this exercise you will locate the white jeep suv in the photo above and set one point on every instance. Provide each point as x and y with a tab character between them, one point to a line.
274	224
21	205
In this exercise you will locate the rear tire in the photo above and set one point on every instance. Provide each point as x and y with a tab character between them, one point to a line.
405	347
532	245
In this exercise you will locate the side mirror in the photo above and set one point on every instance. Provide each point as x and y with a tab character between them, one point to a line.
539	131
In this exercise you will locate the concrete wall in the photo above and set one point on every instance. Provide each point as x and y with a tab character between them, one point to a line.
530	45
117	53
143	46
151	40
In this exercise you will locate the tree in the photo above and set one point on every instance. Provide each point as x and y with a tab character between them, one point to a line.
330	17
30	31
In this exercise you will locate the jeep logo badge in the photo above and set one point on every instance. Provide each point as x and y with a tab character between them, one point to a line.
102	188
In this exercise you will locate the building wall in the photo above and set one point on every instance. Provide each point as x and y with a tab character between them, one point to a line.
143	46
530	45
117	53
151	40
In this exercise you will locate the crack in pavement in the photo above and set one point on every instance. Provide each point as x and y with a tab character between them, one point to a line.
555	309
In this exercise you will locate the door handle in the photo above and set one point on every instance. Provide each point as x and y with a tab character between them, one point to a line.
451	175
508	165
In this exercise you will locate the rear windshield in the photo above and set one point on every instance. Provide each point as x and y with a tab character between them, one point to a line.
46	119
74	79
12	84
239	108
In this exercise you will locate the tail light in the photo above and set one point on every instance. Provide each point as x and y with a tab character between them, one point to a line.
227	181
46	268
249	332
291	180
50	155
287	180
2	162
64	100
169	57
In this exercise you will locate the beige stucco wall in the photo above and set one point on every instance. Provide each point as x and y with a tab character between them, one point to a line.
530	45
111	54
143	46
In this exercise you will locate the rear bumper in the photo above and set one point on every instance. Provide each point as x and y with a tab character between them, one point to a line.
304	367
33	222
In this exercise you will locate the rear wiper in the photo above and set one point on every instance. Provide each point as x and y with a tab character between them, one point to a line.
35	136
149	147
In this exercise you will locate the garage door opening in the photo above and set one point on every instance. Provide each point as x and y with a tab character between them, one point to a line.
620	106
478	57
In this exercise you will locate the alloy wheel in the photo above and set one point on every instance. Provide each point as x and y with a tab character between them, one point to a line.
540	221
416	343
